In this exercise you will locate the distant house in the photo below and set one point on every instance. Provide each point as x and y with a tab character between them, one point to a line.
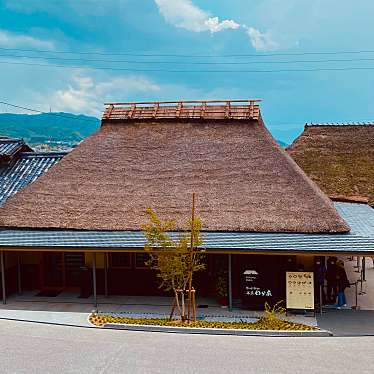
339	158
20	165
10	147
252	198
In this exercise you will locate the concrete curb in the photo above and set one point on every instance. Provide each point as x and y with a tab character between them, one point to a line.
187	330
207	331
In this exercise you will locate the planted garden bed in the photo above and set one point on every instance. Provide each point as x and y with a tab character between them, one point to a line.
263	323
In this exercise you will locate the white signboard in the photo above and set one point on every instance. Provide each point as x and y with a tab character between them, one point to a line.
300	290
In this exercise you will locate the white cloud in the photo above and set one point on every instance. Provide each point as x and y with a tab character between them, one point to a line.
87	95
214	25
126	85
261	41
77	97
186	15
12	40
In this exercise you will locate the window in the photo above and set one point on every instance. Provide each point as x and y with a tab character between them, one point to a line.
140	260
120	260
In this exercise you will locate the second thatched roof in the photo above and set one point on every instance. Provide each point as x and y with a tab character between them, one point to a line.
339	158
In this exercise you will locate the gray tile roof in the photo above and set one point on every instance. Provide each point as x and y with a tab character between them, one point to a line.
27	167
359	216
9	146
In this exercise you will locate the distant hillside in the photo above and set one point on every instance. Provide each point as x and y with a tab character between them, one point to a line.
58	129
65	128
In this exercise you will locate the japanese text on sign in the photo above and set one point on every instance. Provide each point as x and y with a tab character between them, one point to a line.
300	290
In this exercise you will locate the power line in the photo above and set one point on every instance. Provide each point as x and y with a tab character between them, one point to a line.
48	113
187	63
136	54
188	71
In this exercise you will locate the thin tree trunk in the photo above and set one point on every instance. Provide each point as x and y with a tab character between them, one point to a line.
173	309
177	303
189	292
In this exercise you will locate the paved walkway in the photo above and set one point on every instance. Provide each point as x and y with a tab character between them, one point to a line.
70	310
348	322
366	299
50	317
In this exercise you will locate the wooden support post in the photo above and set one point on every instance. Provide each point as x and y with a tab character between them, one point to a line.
109	111
94	279
251	109
155	111
106	274
203	109
63	266
19	279
131	111
3	276
227	109
178	109
230	281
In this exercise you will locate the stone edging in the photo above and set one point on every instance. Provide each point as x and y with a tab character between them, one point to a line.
212	331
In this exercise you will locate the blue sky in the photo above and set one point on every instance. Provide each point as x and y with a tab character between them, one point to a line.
274	34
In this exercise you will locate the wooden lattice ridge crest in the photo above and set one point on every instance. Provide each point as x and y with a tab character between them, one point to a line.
193	109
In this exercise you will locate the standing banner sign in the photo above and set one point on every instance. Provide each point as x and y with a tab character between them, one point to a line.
300	290
256	289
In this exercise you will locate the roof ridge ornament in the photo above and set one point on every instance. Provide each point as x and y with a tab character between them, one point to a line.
183	109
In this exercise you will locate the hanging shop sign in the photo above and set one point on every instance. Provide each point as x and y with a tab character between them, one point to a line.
299	290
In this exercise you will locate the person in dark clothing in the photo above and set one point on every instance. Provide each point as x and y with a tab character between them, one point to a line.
343	283
331	278
319	279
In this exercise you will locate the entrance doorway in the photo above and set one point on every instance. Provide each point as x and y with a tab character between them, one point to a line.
60	270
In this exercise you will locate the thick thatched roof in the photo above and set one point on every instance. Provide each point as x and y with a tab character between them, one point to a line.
243	180
339	158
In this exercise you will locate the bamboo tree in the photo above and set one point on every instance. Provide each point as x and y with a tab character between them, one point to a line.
175	257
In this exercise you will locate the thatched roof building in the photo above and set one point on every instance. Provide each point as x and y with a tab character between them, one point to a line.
339	158
156	155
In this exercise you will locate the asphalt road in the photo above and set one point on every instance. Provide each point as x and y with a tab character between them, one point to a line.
37	348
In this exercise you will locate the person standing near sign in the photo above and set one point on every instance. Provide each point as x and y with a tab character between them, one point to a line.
343	283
